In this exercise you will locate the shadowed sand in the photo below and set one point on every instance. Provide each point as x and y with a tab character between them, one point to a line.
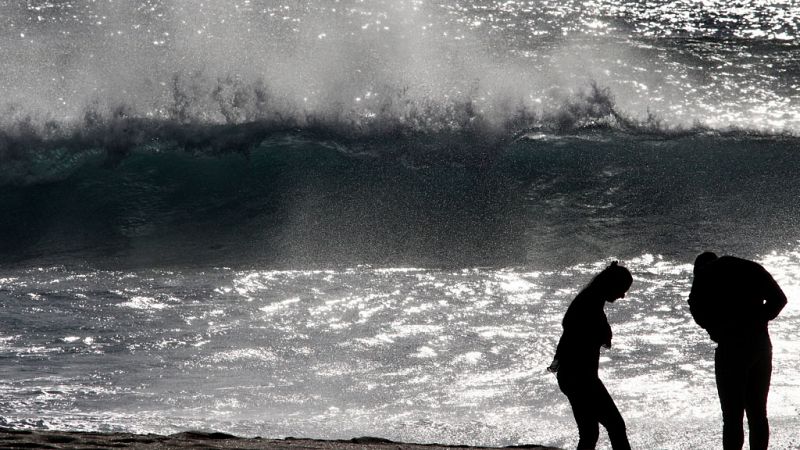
10	438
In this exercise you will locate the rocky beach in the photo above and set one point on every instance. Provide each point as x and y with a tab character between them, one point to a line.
11	438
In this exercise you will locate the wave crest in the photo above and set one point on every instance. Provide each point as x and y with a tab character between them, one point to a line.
231	115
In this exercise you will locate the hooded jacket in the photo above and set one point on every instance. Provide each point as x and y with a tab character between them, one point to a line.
734	299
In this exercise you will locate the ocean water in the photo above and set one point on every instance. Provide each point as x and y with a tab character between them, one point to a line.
340	218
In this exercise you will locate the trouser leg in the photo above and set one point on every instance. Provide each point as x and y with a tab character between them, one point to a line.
586	418
592	405
611	419
758	381
579	393
731	390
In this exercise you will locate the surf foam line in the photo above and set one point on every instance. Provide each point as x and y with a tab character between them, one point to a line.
231	116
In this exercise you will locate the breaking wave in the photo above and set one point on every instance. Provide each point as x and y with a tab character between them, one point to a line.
227	115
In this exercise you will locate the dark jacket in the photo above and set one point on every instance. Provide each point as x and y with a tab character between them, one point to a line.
733	299
586	329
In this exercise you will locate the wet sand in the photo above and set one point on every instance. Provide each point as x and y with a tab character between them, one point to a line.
10	438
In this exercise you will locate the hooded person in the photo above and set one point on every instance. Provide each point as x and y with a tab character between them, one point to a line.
734	299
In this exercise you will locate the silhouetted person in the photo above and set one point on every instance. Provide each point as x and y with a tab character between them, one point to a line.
734	299
586	329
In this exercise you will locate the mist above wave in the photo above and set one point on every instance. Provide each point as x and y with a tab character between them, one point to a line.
227	114
376	67
215	115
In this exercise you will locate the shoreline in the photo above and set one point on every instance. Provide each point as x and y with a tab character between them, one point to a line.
46	439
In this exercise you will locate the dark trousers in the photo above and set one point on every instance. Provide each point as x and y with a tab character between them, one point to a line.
592	406
743	375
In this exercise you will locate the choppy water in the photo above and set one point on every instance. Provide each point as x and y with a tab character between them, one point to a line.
332	219
454	356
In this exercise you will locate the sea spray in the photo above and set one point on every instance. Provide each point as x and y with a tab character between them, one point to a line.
335	219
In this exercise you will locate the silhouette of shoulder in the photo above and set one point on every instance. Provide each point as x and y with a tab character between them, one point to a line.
585	325
735	277
732	295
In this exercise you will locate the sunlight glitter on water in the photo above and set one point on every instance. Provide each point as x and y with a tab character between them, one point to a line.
422	355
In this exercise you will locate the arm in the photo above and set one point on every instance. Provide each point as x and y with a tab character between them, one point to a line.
698	303
774	298
554	366
607	332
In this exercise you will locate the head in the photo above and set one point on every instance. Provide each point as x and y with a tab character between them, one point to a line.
612	283
703	259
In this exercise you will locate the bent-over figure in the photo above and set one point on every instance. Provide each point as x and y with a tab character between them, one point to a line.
576	362
734	299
